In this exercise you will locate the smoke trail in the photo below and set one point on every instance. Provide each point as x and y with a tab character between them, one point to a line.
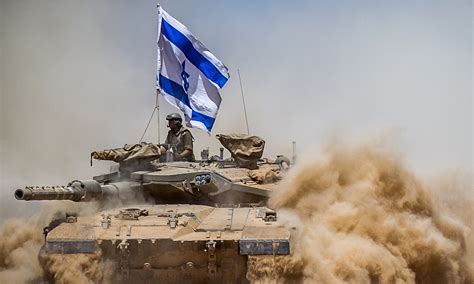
362	217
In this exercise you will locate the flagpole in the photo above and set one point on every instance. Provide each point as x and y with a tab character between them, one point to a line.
243	101
157	107
157	102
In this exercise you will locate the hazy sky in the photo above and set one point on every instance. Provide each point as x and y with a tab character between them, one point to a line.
79	75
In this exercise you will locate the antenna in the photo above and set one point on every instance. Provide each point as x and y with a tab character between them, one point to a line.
243	101
294	153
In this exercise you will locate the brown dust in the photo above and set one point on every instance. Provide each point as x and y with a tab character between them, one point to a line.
361	217
21	241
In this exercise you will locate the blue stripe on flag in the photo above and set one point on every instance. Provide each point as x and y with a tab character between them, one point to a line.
196	58
176	90
206	120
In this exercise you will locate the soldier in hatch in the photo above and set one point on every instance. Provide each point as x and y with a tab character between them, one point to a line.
179	138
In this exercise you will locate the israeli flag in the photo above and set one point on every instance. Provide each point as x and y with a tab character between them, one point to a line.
188	75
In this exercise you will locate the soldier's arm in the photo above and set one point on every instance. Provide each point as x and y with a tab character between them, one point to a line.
185	153
187	145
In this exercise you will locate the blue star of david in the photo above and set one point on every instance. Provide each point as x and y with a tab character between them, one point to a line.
185	77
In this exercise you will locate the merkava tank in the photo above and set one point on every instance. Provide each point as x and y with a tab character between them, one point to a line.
173	221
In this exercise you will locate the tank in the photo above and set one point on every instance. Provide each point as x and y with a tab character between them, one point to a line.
173	221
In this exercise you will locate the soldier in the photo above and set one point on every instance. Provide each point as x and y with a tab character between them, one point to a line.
180	138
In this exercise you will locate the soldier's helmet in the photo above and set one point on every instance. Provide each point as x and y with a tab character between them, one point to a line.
174	116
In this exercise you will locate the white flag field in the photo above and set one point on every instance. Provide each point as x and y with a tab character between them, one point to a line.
189	76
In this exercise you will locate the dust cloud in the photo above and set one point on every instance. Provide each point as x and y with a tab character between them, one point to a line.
80	268
362	217
22	239
19	247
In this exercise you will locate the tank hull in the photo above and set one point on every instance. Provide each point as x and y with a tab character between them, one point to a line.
172	243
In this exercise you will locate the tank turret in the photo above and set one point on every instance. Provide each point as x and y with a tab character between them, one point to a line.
243	178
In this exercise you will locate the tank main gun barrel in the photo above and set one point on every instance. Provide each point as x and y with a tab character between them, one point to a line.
78	191
75	191
49	193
